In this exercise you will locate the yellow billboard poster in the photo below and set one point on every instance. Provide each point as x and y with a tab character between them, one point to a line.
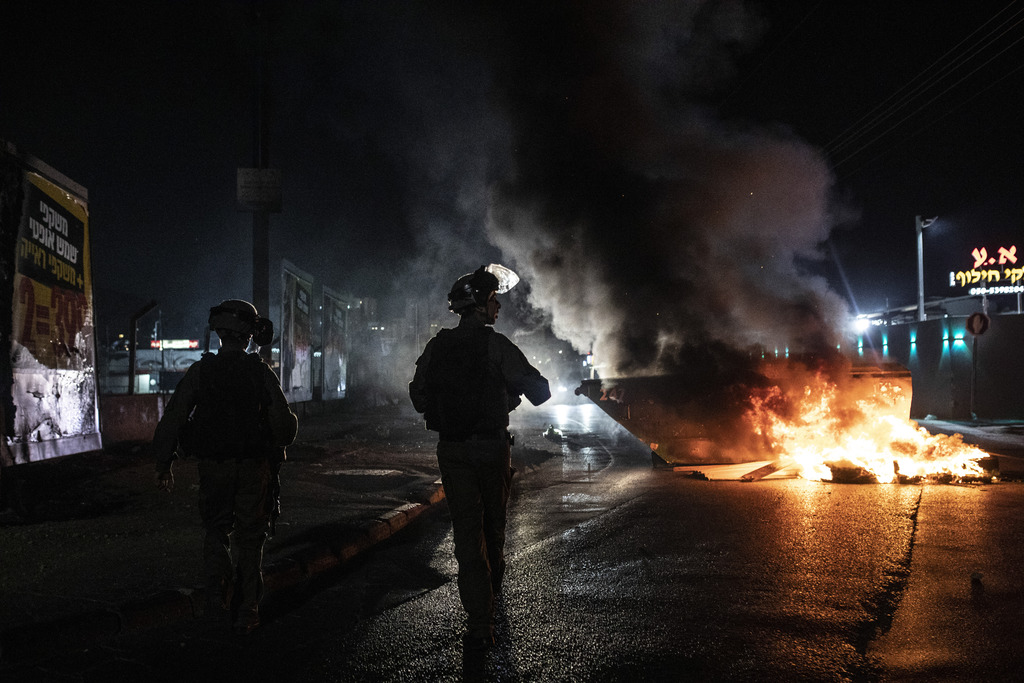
52	345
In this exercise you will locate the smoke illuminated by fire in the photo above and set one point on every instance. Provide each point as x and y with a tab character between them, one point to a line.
644	223
857	434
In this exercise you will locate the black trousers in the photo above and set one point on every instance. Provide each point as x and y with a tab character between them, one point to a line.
477	478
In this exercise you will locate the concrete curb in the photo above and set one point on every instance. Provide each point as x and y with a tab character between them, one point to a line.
36	641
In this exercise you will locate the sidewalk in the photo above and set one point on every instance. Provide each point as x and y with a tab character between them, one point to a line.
99	551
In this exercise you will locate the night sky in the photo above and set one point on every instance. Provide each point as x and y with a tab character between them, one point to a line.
918	109
599	145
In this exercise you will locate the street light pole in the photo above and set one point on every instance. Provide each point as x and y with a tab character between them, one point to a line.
921	225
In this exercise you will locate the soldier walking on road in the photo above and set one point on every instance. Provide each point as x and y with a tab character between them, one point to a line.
230	413
467	381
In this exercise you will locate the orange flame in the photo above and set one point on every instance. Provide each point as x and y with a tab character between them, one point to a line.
819	431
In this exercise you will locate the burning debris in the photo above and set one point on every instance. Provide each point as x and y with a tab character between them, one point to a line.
854	427
826	420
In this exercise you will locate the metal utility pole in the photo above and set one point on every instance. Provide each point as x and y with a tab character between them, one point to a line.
259	188
261	153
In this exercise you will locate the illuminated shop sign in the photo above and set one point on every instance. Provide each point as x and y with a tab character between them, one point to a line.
995	273
165	344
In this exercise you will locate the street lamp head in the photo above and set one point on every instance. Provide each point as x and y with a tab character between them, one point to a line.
922	224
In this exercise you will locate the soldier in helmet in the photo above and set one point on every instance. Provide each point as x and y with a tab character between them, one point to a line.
467	381
229	411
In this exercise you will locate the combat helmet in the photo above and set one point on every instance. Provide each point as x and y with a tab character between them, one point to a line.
241	319
472	289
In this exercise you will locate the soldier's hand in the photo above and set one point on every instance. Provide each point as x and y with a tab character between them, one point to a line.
164	481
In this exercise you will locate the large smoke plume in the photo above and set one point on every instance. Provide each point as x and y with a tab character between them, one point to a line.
646	226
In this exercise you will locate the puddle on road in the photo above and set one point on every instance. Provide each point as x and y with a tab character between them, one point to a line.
369	473
584	463
582	502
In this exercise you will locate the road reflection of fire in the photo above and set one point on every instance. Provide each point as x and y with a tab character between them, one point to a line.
855	433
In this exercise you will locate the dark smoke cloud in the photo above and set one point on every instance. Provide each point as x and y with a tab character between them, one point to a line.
575	133
646	226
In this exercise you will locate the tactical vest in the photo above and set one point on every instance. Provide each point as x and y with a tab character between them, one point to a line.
229	419
465	390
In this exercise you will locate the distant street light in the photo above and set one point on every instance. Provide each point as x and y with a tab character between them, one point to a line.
921	225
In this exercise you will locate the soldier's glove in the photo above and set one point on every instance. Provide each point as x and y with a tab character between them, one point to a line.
164	481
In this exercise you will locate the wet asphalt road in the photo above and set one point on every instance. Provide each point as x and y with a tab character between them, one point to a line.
621	572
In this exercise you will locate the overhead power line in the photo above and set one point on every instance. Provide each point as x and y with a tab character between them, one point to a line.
909	100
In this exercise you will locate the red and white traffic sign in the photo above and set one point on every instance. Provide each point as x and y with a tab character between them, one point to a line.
977	323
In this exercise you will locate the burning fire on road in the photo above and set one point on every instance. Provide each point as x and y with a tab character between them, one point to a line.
859	432
825	421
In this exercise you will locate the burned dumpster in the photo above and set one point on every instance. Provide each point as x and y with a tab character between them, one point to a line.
814	417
